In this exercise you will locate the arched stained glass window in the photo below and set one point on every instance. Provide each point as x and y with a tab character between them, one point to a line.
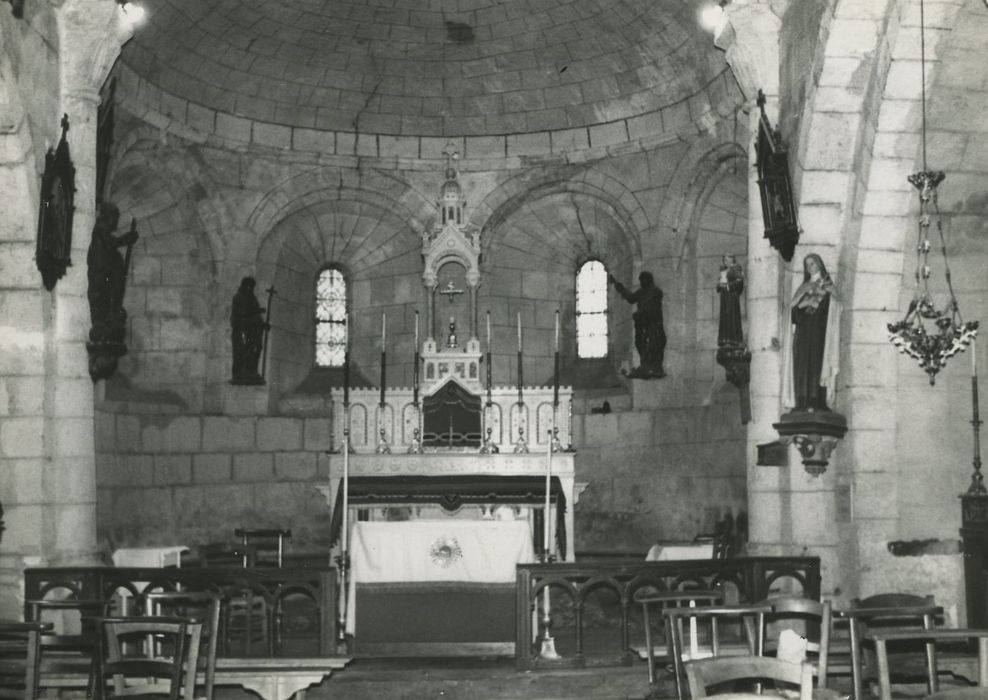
591	310
331	327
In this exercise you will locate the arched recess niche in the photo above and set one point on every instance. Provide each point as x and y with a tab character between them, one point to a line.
170	297
380	256
715	218
531	257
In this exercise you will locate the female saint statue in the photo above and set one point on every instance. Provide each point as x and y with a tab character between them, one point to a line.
813	351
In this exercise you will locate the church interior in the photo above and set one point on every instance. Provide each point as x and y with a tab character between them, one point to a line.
320	265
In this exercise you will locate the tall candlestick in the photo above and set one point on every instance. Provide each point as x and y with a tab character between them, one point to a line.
346	361
489	372
384	354
415	365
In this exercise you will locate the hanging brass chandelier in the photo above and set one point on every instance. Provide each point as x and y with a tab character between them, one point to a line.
929	334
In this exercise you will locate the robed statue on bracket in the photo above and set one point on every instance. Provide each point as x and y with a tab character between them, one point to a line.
650	334
247	327
813	347
107	273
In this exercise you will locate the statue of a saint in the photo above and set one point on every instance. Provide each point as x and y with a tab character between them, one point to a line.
730	286
248	327
107	273
650	335
813	350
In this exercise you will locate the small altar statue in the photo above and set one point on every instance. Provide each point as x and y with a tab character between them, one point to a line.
451	339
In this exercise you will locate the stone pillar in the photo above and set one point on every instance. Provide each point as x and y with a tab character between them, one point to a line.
47	453
749	35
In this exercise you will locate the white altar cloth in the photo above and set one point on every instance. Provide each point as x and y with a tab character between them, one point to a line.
149	557
474	551
685	550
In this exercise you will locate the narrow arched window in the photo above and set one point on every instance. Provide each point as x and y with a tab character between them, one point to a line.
591	310
331	327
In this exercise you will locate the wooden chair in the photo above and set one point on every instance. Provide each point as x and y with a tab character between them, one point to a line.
199	607
882	637
810	619
244	617
706	674
658	601
20	658
158	652
69	641
882	611
712	640
265	541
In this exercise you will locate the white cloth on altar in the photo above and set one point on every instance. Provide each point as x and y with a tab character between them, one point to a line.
672	552
473	551
149	557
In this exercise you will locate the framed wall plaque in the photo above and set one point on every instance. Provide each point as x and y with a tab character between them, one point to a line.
54	245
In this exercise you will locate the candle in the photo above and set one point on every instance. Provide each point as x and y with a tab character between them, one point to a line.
974	357
488	332
384	330
557	330
519	331
416	331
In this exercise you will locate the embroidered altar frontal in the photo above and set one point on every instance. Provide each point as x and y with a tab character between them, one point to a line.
436	583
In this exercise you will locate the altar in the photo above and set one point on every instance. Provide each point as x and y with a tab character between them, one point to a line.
439	489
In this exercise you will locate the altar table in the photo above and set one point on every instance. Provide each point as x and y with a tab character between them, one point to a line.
417	565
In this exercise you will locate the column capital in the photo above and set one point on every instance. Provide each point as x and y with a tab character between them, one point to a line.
749	35
91	34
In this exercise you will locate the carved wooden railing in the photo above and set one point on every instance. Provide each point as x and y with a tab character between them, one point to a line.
743	579
274	586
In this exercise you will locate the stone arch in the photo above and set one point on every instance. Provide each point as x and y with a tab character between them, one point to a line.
703	163
326	183
364	234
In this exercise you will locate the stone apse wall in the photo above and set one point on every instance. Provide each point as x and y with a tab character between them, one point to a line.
183	457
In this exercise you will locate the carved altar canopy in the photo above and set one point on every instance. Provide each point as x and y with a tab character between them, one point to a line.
451	492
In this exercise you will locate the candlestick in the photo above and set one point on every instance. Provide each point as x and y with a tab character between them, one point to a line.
346	361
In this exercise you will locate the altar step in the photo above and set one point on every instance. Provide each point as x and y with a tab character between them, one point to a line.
481	679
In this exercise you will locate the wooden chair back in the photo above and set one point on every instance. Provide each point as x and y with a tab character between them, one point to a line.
20	658
140	656
654	602
707	634
202	607
885	611
883	637
810	619
705	675
265	542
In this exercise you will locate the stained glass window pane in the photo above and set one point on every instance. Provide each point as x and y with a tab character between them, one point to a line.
591	310
330	318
